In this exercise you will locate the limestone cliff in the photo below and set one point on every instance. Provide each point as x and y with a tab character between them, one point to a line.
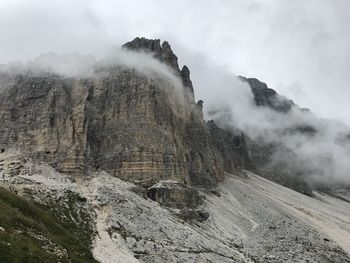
136	126
120	120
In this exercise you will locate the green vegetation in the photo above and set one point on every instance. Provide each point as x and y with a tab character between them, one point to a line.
35	233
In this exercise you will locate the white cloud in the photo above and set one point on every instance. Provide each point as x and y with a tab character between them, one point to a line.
279	42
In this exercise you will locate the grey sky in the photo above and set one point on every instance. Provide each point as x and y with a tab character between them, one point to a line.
299	47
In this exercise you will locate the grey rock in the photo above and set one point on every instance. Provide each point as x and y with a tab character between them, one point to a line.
163	51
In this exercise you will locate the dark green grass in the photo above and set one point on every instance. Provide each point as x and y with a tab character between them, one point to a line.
21	219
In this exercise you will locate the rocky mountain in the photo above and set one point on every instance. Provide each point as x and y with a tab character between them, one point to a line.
126	160
262	153
120	121
266	97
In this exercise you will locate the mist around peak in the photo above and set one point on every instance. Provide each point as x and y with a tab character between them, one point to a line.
320	148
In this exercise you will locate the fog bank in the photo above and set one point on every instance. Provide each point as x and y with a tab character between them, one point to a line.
321	150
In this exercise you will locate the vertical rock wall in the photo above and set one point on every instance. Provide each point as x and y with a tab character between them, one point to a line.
120	120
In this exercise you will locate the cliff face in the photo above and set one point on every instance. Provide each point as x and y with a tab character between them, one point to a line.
135	126
122	121
45	117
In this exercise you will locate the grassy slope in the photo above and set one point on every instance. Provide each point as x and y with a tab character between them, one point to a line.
21	219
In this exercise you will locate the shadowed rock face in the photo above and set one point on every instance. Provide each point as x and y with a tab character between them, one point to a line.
232	147
264	96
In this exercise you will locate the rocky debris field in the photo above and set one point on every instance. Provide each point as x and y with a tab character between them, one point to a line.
250	218
277	224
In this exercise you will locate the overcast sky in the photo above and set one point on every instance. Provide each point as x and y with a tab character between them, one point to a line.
301	48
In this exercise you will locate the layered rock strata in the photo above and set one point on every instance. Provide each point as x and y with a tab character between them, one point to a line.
120	120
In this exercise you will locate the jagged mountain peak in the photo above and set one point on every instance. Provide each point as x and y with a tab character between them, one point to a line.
265	96
161	51
164	53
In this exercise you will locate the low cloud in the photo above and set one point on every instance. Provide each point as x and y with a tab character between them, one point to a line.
318	147
78	65
87	66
